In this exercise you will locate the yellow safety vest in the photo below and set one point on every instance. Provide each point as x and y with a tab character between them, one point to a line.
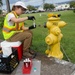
8	30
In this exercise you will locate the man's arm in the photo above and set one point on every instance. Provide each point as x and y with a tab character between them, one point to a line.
17	20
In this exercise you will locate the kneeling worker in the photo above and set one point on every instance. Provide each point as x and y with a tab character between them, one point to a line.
14	29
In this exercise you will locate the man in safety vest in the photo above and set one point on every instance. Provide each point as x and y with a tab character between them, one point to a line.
14	29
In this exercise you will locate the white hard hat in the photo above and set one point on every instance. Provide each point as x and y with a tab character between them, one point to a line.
20	3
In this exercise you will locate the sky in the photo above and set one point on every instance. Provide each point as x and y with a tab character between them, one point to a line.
32	2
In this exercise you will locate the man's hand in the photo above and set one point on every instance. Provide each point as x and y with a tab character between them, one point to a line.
31	18
32	27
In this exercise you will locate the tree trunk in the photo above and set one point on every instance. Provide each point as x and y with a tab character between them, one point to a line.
8	5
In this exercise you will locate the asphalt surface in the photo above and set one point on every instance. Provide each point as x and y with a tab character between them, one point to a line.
50	66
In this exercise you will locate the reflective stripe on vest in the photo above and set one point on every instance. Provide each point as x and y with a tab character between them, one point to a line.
6	29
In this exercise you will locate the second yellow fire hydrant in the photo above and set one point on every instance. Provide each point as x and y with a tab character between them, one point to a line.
53	39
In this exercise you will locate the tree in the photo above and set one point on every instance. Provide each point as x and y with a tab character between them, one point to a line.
52	6
1	6
8	5
1	3
48	6
72	4
31	7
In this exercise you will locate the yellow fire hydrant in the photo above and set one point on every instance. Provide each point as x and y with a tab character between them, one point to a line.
53	39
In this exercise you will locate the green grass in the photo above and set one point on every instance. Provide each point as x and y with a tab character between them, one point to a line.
39	34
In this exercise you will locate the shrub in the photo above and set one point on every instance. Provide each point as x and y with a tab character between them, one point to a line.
1	21
74	10
0	11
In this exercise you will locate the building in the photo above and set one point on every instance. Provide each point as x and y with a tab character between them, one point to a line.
62	6
40	8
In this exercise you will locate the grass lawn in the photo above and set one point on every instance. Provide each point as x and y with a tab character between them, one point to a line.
39	34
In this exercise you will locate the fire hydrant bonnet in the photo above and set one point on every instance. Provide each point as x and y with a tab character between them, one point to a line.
20	3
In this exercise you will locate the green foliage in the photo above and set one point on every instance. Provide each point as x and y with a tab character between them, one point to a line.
52	6
1	3
72	4
1	21
48	6
0	11
74	10
1	26
31	7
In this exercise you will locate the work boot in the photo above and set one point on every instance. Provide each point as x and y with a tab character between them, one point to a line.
32	52
26	54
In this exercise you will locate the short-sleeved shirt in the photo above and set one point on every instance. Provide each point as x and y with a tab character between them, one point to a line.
10	15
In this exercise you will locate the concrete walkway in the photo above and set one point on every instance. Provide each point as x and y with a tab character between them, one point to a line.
50	66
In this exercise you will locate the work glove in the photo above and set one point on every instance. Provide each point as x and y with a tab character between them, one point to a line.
31	18
32	27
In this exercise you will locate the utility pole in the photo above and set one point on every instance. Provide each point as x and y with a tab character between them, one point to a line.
8	5
43	3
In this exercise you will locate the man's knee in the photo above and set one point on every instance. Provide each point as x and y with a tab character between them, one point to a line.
28	34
